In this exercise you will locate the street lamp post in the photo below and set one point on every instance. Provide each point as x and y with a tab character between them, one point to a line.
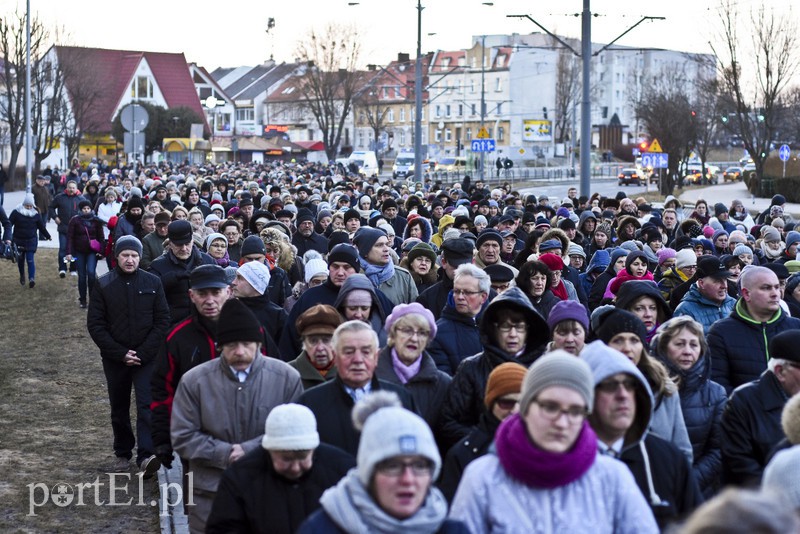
418	99
483	101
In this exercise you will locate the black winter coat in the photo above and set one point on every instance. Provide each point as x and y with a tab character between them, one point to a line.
702	402
435	297
739	345
321	523
332	406
174	275
475	445
272	317
128	312
315	241
599	287
673	480
24	230
253	498
464	403
457	338
428	387
65	207
279	288
751	428
80	231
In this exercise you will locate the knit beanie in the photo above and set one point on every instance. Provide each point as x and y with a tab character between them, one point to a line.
257	275
568	310
389	430
127	242
550	244
82	204
290	427
401	310
315	267
480	219
134	202
553	262
557	368
782	476
686	258
665	254
237	323
366	238
719	209
252	244
742	249
618	321
505	379
603	228
211	217
212	237
770	234
792	238
716	235
576	250
30	201
422	249
345	253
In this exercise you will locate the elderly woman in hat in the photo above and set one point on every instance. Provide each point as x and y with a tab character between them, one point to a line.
391	488
421	263
569	327
403	361
546	454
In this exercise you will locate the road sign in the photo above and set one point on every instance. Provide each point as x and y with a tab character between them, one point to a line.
482	145
655	160
483	133
784	152
134	143
521	151
655	146
134	118
636	151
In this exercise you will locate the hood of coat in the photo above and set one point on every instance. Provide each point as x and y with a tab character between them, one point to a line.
585	215
632	290
607	362
557	233
599	262
360	281
616	254
427	229
514	299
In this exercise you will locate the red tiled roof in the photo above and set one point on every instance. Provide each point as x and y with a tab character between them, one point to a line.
115	68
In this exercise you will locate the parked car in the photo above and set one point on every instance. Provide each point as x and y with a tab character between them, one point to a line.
732	174
630	176
456	164
749	170
695	176
403	166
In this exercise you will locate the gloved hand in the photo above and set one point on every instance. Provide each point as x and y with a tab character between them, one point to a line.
164	454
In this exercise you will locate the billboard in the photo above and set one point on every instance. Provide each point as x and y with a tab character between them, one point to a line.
537	131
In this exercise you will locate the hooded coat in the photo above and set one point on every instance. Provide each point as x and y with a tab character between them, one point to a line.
427	229
603	279
377	315
661	471
464	404
597	264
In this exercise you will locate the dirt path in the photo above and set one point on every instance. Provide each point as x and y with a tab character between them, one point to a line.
55	428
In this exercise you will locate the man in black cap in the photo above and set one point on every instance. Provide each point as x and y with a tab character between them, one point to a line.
707	300
221	406
501	277
306	238
153	243
175	266
390	212
489	245
127	319
455	252
129	223
188	344
751	421
352	221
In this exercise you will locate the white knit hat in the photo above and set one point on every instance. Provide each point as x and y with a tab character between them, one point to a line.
290	427
389	430
315	267
685	258
257	275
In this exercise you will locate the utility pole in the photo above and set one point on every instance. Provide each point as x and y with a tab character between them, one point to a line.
28	130
418	99
586	111
483	101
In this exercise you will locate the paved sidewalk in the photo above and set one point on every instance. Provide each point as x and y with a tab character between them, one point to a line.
729	192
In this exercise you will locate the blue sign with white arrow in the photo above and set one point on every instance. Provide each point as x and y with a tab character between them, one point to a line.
482	145
655	160
784	152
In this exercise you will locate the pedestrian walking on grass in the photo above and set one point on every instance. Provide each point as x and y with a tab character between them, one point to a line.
25	223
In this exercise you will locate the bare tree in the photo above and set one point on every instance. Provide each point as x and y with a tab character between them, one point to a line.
330	82
48	98
568	88
754	73
12	84
706	111
665	112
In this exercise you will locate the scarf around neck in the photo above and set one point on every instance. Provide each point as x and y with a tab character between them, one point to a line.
405	372
534	467
350	506
560	290
377	274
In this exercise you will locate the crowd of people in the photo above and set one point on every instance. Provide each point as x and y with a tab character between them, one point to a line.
325	353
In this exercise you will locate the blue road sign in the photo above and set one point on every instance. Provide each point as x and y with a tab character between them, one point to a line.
482	145
655	160
784	152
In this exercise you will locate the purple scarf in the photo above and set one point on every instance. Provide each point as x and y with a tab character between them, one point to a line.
405	372
532	466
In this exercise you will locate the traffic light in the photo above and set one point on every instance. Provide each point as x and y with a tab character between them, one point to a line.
643	146
694	113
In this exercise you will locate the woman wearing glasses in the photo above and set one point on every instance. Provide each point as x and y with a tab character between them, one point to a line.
217	248
545	474
511	331
404	361
391	488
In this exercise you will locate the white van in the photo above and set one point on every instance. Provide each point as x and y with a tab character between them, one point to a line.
366	161
403	165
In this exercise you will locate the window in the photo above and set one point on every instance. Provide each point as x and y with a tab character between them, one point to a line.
448	135
402	137
245	114
473	109
500	108
462	61
605	112
446	62
402	114
142	88
461	110
437	136
501	133
390	115
469	134
447	110
500	61
472	86
438	110
498	84
361	138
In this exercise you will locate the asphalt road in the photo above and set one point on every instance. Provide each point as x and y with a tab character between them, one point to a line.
604	187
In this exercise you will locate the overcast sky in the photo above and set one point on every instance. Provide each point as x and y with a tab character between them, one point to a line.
215	34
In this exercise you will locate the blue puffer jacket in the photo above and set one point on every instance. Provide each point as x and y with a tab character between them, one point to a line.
703	310
597	265
702	402
739	345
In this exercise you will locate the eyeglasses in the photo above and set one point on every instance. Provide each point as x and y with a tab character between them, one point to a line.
506	404
500	287
506	327
552	411
611	386
410	332
219	245
465	293
395	468
316	340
